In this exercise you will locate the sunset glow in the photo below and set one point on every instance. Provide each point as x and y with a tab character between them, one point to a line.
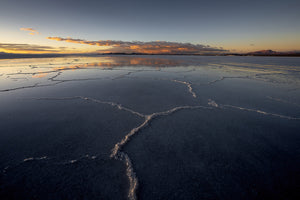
149	99
233	27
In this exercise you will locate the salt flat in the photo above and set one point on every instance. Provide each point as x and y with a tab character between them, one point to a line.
150	127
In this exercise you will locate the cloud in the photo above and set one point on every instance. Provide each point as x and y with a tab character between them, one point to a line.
154	47
31	31
27	48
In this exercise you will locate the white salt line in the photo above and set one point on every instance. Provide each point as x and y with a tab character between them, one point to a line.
189	86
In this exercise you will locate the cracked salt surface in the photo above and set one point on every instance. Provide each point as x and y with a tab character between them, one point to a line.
116	151
152	90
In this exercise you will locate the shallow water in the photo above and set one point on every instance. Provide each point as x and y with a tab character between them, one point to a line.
150	127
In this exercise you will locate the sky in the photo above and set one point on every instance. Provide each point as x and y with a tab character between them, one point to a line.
156	26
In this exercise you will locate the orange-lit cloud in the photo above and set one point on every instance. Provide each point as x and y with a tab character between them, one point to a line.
31	31
154	47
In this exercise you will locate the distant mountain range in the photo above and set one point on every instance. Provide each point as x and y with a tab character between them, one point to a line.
4	55
273	53
264	52
269	52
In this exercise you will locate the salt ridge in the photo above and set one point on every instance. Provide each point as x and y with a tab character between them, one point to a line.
116	152
189	85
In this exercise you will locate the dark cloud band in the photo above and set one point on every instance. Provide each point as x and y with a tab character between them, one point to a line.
154	47
26	47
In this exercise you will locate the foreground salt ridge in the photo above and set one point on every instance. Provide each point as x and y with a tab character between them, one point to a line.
118	154
262	112
282	101
24	161
87	156
214	104
116	151
189	85
121	107
33	159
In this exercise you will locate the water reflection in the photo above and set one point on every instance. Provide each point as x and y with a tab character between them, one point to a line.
264	69
110	62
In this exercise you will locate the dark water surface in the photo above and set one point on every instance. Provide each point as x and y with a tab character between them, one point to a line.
150	127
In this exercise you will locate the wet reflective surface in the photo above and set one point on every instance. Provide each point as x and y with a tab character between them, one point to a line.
150	127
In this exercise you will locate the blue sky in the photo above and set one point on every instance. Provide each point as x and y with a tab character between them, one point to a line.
234	25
